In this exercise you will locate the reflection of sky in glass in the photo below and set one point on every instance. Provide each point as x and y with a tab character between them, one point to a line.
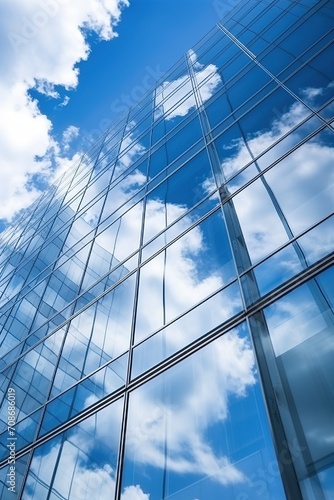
81	462
136	246
175	98
200	430
301	326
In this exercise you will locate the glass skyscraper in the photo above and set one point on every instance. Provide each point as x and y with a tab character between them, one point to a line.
167	323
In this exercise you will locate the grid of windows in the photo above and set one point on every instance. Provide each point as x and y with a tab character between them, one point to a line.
167	307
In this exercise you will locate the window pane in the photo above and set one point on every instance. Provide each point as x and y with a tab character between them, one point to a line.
200	262
79	464
199	430
305	360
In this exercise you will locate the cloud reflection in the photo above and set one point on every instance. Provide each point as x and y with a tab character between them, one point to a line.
176	98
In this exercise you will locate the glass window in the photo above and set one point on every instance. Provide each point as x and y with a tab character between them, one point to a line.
208	49
294	258
25	433
141	112
72	402
255	100
181	191
319	241
238	92
232	150
20	468
176	228
260	223
307	33
200	262
232	71
279	268
113	245
217	309
218	109
122	197
94	195
328	112
303	182
72	198
183	138
255	11
32	375
208	78
200	430
278	25
314	82
174	98
178	162
80	463
283	144
96	335
150	308
305	365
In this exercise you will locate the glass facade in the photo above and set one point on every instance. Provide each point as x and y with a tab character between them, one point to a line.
167	307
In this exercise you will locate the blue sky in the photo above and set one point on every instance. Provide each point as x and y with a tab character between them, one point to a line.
153	34
70	68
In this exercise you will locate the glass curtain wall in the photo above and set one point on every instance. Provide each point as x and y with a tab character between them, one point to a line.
166	308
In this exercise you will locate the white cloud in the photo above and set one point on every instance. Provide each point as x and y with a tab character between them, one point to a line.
65	102
311	92
227	368
263	140
42	41
169	94
69	135
134	493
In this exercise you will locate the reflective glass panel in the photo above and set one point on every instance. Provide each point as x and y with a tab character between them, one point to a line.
305	365
199	430
80	463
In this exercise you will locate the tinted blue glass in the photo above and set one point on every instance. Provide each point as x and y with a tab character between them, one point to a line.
80	397
31	376
96	335
314	82
254	12
200	261
307	33
283	143
302	182
20	468
275	58
140	256
81	462
173	100
294	258
215	311
179	226
279	26
304	360
210	47
233	70
202	425
25	433
179	142
218	109
170	200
